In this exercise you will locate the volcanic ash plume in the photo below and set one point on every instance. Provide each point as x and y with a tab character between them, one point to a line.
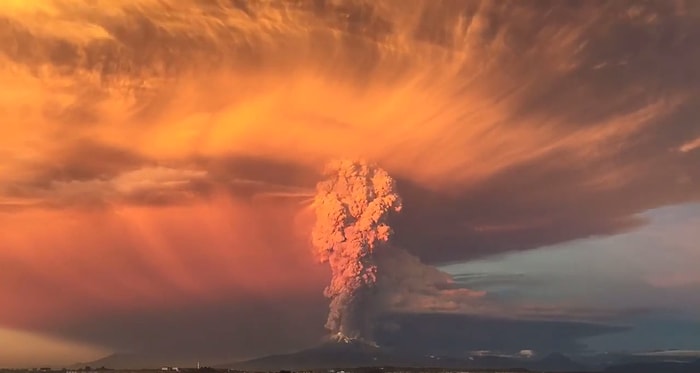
352	206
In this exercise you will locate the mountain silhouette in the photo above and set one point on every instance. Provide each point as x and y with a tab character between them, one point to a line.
657	367
556	362
358	354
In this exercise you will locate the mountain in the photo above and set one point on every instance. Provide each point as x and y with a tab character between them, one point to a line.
137	361
124	361
352	354
657	367
327	355
357	354
557	362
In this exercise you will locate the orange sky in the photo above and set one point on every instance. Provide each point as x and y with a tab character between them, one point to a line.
142	141
128	257
421	121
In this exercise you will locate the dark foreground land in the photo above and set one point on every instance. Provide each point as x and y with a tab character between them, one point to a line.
354	359
212	370
658	367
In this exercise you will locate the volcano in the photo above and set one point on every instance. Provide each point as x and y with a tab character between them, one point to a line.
346	353
352	353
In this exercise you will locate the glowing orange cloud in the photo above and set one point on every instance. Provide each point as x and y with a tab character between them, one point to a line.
20	350
429	120
148	149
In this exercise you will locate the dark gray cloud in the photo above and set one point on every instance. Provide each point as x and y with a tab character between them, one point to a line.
229	331
456	335
209	331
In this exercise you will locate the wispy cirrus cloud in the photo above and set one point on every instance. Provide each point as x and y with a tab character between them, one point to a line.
690	146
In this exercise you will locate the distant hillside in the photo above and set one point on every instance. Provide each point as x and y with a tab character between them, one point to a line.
325	356
356	354
557	363
353	355
136	361
657	367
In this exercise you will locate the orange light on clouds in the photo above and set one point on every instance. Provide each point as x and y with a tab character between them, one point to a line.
418	120
70	264
21	349
121	121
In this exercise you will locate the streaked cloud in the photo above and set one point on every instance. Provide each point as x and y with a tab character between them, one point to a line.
166	149
690	146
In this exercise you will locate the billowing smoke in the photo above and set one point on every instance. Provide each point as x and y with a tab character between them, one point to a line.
352	206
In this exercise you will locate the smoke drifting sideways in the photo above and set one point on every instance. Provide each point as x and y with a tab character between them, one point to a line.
352	207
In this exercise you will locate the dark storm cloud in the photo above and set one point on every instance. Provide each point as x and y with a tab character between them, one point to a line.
205	330
86	160
248	177
229	331
455	335
641	52
513	211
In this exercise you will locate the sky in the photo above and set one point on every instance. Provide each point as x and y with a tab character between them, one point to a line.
651	269
158	158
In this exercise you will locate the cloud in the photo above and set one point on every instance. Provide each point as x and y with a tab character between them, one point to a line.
218	331
182	126
583	116
20	348
139	258
492	279
690	146
674	280
456	335
407	285
148	185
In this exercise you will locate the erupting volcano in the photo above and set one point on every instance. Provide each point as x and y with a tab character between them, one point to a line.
352	206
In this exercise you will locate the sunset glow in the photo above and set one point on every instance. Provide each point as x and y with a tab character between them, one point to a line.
159	159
